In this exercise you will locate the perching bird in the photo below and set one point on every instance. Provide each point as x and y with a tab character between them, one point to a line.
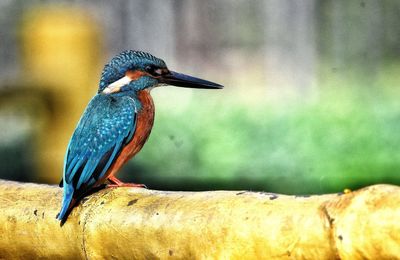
116	123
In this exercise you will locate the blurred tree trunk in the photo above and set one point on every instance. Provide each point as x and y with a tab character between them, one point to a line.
290	46
197	27
160	38
352	37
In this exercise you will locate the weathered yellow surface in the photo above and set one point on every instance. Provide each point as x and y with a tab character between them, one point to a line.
132	223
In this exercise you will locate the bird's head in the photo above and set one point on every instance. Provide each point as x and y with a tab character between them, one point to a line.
135	70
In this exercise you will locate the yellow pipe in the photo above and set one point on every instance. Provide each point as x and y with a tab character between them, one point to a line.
132	223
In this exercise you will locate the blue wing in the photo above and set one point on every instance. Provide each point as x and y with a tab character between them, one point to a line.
107	125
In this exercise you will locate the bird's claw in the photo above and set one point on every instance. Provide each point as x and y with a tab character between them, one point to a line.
117	183
132	185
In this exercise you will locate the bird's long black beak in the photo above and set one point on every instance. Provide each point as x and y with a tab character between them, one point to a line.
186	81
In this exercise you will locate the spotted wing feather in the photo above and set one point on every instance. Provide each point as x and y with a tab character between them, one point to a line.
106	126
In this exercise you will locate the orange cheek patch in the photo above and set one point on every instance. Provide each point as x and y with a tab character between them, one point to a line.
135	74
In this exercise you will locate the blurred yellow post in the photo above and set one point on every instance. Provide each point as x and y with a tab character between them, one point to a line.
60	53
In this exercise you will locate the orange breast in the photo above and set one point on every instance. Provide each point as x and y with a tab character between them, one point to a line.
144	123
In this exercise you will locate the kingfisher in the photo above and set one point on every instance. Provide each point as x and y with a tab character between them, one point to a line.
116	124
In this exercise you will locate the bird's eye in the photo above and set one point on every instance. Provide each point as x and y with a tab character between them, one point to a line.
154	71
149	69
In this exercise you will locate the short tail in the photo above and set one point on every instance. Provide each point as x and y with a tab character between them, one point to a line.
68	203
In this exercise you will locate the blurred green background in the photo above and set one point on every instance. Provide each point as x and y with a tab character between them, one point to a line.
310	105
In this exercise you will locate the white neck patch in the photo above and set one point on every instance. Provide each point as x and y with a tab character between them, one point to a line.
117	85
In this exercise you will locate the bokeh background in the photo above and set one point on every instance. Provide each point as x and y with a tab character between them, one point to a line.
311	101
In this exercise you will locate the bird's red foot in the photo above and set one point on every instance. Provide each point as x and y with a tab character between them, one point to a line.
117	183
135	185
